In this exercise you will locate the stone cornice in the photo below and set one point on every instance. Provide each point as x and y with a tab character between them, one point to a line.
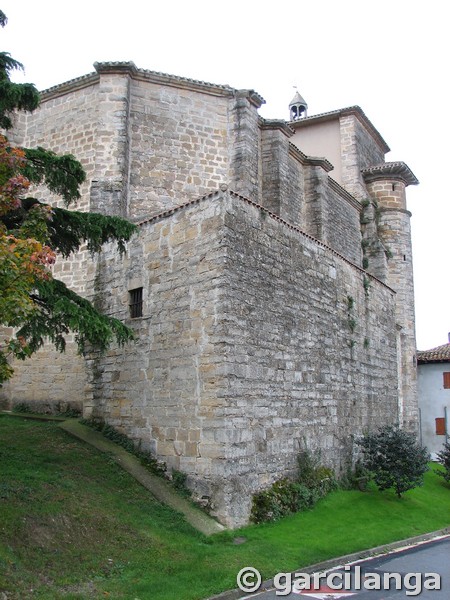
334	185
343	112
183	83
403	211
314	161
390	170
253	97
276	124
130	69
70	86
116	67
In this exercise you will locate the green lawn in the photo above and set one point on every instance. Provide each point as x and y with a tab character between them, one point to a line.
74	525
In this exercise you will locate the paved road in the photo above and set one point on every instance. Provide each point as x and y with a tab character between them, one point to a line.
427	557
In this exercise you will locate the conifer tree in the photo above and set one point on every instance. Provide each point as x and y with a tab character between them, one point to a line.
32	234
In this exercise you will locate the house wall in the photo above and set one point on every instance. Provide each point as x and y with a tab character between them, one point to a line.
433	401
322	139
344	140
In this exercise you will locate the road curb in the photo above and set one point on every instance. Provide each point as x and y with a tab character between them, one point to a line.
237	594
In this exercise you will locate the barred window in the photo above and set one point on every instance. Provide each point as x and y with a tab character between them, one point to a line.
135	304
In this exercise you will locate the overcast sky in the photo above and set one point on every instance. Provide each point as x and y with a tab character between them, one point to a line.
388	57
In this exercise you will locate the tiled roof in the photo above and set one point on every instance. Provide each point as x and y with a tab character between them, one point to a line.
439	354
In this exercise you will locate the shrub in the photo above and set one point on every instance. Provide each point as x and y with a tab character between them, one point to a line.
284	497
21	407
444	459
179	482
313	475
355	477
288	496
394	459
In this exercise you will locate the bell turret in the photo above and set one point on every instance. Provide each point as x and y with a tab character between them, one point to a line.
298	108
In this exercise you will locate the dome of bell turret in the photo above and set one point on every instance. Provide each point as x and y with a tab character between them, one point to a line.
298	107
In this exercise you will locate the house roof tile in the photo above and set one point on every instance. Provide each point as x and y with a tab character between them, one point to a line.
438	354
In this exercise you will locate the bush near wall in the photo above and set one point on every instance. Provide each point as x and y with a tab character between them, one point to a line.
287	496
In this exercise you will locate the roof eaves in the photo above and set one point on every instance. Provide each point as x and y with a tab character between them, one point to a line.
438	354
390	170
69	86
342	112
128	67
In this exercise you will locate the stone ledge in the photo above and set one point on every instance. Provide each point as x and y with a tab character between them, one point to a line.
156	485
32	416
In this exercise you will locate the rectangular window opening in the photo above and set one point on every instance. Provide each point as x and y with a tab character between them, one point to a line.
135	303
446	380
440	426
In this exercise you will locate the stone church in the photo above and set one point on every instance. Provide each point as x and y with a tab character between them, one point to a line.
270	283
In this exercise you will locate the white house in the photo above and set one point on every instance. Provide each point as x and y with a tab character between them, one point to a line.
433	381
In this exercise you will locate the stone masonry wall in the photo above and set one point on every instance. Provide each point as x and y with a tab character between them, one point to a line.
242	357
256	339
395	231
180	142
343	229
358	151
49	378
304	367
67	124
245	148
161	389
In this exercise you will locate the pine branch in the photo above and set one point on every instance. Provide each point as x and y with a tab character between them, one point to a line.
14	96
62	175
60	311
69	229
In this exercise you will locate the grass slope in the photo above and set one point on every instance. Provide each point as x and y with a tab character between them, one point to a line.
73	525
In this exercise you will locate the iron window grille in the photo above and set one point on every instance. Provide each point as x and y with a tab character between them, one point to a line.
135	303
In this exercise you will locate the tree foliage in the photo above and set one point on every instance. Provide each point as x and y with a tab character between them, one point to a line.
32	234
13	96
394	459
444	459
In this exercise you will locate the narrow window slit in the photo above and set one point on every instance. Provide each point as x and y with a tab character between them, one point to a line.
135	303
